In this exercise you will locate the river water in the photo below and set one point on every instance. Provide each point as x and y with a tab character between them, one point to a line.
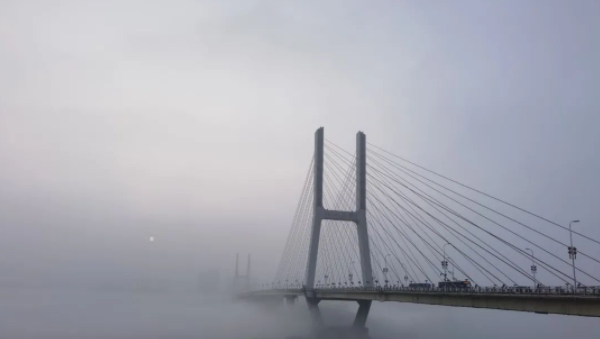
66	314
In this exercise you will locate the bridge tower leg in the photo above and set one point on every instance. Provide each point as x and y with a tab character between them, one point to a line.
315	234
359	217
361	209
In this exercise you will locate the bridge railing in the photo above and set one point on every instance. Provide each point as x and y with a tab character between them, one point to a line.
521	290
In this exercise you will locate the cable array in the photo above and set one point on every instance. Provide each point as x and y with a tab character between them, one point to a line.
426	228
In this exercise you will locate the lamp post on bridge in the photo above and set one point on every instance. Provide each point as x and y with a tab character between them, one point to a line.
350	275
445	263
533	267
405	274
573	254
385	269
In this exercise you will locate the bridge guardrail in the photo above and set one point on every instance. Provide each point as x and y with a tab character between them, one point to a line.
554	291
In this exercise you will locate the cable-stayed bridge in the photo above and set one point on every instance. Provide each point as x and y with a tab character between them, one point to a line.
371	225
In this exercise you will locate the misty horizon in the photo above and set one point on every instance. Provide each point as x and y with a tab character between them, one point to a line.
144	143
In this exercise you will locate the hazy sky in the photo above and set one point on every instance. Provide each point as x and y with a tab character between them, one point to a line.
193	121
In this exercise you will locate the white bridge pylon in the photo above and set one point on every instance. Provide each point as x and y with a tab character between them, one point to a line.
358	217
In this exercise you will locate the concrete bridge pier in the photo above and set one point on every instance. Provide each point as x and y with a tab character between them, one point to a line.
290	300
364	306
358	330
272	302
347	332
315	316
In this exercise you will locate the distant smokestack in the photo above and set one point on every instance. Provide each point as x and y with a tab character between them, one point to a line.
248	268
237	264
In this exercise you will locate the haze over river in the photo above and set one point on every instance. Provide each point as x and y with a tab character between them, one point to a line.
78	314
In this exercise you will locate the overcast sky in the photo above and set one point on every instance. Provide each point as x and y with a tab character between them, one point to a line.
193	121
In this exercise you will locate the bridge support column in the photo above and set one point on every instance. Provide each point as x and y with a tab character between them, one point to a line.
364	306
290	300
315	315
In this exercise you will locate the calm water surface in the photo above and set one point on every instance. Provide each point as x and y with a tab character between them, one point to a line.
60	314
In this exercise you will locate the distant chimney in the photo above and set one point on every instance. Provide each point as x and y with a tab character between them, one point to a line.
248	268
237	264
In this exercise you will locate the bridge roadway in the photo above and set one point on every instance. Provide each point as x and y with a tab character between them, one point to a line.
548	301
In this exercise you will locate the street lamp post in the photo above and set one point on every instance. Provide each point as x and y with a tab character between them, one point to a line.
573	254
405	274
445	263
385	269
533	267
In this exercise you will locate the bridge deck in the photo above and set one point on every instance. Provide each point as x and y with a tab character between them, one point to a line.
565	304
